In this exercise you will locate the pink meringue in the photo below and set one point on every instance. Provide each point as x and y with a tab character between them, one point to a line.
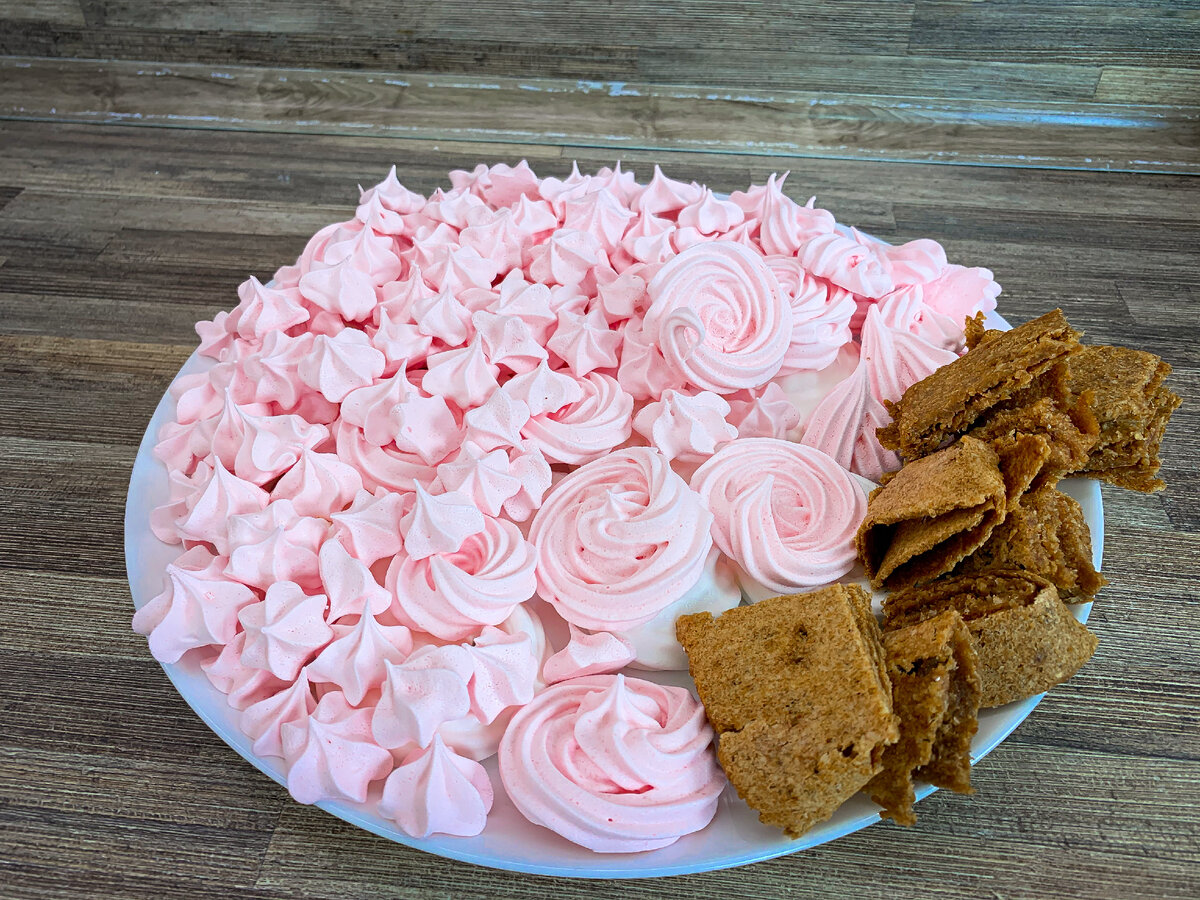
401	342
787	514
959	292
464	375
584	341
600	214
821	316
337	365
508	341
342	289
436	791
368	252
265	310
565	257
601	653
644	373
618	540
718	315
354	660
330	754
276	544
708	215
387	467
198	607
482	475
621	296
532	470
543	390
370	528
665	195
319	484
242	685
348	583
439	523
616	765
263	719
285	630
586	429
451	594
847	263
896	359
393	195
685	427
274	369
221	497
421	694
784	225
763	413
497	423
843	427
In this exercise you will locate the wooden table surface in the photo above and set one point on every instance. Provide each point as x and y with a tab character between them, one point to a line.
115	239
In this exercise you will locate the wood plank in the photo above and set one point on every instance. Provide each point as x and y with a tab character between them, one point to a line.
619	116
772	24
1134	84
1162	33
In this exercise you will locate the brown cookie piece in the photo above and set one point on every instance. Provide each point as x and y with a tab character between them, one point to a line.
948	402
931	514
798	691
1025	638
1045	534
935	692
1068	425
1133	406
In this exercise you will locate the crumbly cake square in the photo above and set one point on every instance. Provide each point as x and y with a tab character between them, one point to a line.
1025	638
797	689
1045	534
949	401
935	693
1133	405
931	514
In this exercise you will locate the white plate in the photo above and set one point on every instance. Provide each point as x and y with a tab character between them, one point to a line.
735	836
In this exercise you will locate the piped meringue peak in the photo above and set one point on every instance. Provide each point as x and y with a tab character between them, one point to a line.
586	399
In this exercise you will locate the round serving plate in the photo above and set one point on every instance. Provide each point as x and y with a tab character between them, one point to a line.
735	836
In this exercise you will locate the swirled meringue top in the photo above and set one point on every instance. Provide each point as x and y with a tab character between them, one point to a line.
614	764
786	513
618	540
718	316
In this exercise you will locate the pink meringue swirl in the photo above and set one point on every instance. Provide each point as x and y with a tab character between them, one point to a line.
614	764
719	318
785	513
619	539
450	594
586	429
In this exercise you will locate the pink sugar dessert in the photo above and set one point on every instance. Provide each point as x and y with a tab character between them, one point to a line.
518	407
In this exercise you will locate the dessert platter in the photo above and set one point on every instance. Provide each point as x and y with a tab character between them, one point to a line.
601	528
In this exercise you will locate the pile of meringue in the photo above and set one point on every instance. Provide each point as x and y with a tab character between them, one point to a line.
580	407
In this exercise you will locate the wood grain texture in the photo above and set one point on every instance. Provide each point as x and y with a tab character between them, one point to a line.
114	240
1011	50
612	115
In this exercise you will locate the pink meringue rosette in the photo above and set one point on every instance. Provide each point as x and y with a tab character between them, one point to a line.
718	316
614	764
787	514
619	540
